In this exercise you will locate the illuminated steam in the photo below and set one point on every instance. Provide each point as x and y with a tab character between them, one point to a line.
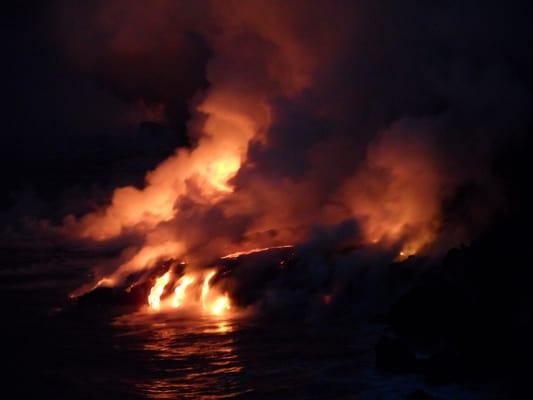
282	140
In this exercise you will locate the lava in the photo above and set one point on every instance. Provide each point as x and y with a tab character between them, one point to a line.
205	288
179	292
220	305
181	296
154	298
253	251
240	184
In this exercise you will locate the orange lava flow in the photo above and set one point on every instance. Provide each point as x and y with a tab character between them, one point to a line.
211	301
154	298
220	305
179	292
205	289
259	250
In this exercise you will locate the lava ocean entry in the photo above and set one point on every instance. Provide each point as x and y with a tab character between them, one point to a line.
202	179
219	196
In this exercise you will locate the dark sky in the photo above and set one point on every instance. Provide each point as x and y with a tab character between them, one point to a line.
65	129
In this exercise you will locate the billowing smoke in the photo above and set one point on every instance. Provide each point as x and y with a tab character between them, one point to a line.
304	116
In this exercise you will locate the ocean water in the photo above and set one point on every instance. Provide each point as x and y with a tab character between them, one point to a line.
50	351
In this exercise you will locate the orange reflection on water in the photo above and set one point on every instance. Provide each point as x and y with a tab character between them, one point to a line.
191	359
220	327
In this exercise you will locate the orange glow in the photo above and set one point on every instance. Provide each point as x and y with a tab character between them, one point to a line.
231	123
210	300
220	171
410	250
205	288
215	195
179	292
154	298
221	305
234	111
145	258
259	250
105	282
395	196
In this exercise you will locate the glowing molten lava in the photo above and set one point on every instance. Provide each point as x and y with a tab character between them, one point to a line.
253	251
214	303
179	292
205	289
220	305
154	298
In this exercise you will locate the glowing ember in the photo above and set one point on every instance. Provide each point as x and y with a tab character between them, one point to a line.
179	293
154	298
221	305
205	288
243	253
105	282
405	253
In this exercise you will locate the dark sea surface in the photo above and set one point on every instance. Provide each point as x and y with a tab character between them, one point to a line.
52	351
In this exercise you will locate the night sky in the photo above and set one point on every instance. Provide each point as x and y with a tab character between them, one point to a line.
69	130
